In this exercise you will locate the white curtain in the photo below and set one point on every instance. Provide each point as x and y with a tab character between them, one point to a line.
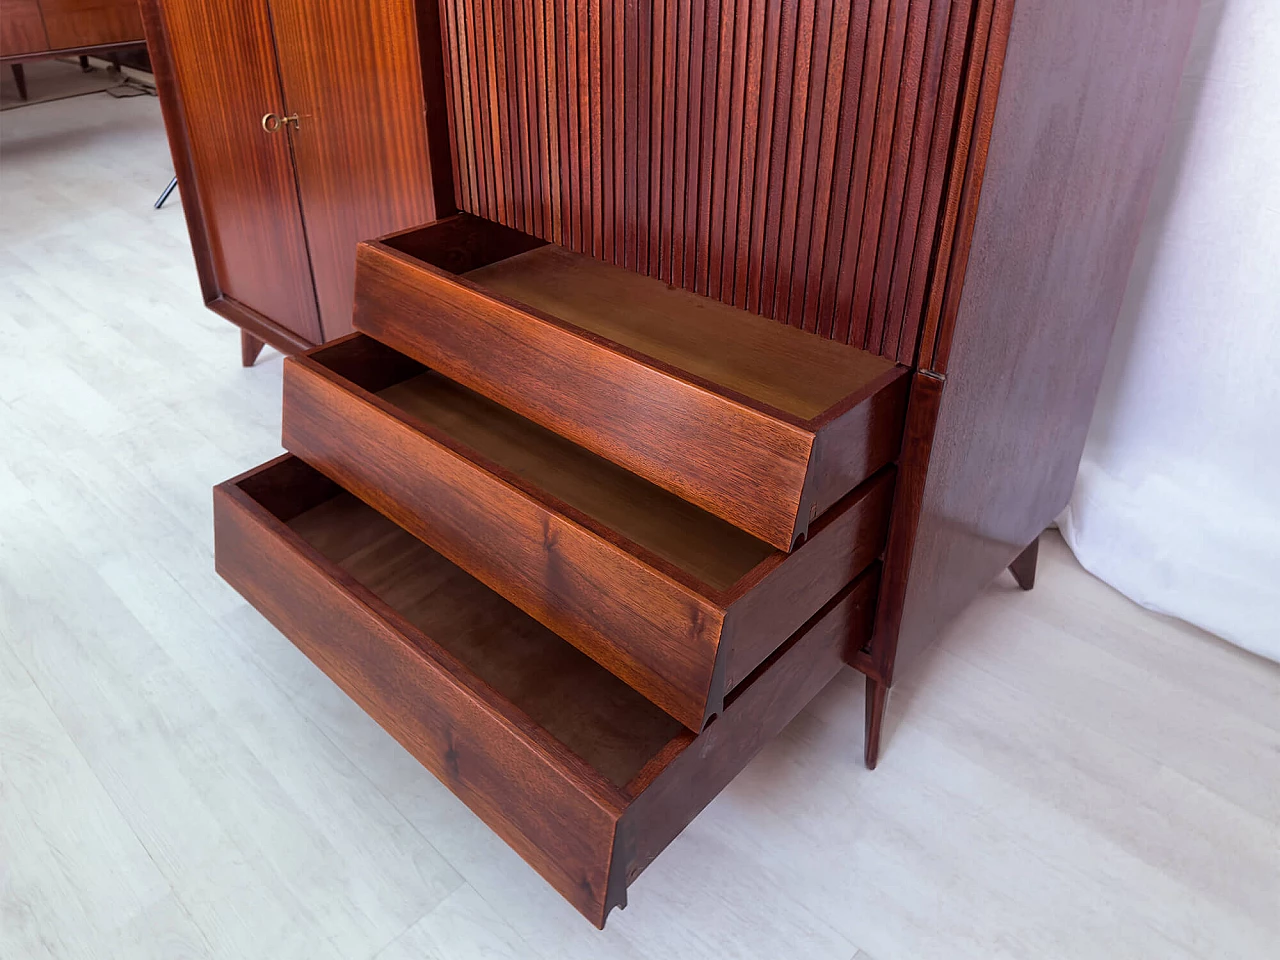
1178	500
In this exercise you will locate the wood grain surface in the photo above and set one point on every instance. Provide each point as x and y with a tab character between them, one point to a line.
223	64
515	776
785	156
86	23
675	601
1047	224
350	71
779	366
21	28
715	445
754	715
551	751
242	808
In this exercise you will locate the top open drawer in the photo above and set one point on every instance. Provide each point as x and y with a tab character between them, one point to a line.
761	424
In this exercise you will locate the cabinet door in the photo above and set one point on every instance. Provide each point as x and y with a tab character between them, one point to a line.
351	72
21	29
224	64
87	23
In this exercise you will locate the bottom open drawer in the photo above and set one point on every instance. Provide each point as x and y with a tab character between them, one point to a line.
582	776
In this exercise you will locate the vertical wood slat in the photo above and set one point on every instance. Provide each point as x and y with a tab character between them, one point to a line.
898	128
929	144
619	117
736	283
861	178
681	134
726	178
824	274
821	141
811	76
600	173
787	156
750	278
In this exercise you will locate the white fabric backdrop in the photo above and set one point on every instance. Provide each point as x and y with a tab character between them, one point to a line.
1178	500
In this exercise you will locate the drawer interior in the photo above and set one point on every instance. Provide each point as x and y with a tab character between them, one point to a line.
581	776
782	367
709	549
593	713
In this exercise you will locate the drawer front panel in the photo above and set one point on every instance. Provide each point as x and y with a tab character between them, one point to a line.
754	714
585	835
729	458
656	634
520	781
846	543
683	627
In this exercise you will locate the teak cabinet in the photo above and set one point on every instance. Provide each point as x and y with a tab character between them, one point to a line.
297	127
748	341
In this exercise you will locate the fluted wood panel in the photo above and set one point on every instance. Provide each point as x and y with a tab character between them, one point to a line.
786	156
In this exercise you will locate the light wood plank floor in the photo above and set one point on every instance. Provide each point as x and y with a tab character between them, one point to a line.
1069	776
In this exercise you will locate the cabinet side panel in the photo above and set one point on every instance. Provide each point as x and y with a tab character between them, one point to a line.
175	128
1085	100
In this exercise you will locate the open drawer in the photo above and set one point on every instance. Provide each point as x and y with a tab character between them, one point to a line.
675	601
761	424
582	776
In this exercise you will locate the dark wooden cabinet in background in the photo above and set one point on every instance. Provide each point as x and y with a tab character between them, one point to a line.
78	24
583	540
41	29
297	129
22	28
30	29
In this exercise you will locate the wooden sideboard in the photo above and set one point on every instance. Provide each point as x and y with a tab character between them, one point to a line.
30	29
40	29
764	336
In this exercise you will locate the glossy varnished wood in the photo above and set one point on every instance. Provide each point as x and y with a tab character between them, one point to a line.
21	28
221	61
758	711
351	73
250	347
675	601
799	375
680	389
877	699
242	809
177	133
913	467
373	157
588	785
85	23
786	157
1047	227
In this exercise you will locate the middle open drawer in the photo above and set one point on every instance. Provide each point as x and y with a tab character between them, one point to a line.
676	602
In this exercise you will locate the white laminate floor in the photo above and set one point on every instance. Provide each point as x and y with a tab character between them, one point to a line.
1069	776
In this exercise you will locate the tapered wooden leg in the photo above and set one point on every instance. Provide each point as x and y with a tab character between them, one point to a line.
250	347
1024	568
877	697
20	80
